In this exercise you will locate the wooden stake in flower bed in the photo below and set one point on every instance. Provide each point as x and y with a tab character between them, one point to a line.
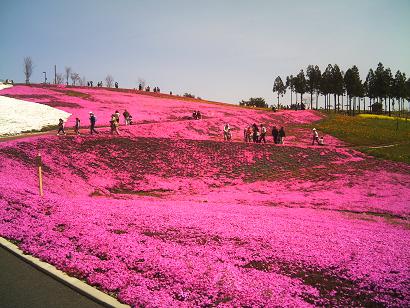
40	175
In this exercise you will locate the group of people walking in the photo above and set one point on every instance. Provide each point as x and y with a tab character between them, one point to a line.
252	133
256	134
114	123
278	135
196	115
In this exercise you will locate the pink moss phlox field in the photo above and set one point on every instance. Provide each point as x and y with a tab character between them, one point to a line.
167	214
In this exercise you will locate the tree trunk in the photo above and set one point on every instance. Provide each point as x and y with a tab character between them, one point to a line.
334	97
278	101
338	103
354	105
317	102
291	100
385	105
311	100
389	108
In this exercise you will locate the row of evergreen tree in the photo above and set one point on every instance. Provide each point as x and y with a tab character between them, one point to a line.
380	87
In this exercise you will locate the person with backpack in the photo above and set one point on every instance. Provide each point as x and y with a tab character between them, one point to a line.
114	125
275	134
263	134
281	135
60	127
93	120
117	116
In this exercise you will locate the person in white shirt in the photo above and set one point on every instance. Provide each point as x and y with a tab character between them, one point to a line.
263	134
315	136
227	132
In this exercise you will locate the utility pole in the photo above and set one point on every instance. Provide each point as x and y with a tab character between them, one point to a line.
55	74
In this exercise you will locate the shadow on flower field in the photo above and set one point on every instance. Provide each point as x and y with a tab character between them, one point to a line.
167	214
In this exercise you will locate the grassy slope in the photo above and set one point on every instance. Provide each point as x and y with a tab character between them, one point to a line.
377	137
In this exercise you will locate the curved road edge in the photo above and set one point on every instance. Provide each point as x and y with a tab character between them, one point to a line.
73	283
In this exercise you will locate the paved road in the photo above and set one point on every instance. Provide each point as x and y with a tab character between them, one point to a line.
22	285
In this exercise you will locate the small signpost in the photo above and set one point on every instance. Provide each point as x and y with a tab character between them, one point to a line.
40	175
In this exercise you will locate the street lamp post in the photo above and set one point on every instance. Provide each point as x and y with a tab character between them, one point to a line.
45	77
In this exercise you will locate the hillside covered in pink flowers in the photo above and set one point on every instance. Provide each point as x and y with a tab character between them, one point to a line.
168	214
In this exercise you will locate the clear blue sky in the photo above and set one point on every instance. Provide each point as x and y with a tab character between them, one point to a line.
220	50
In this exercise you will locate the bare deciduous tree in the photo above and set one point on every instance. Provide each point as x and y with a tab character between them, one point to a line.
67	73
28	68
59	78
141	81
109	80
74	78
83	81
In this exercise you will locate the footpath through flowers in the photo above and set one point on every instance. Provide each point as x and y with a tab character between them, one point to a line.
167	213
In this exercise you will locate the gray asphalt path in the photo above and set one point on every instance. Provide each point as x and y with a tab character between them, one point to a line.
22	285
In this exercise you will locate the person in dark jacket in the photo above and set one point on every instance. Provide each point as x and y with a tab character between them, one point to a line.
281	135
275	134
93	119
255	133
77	126
60	127
126	115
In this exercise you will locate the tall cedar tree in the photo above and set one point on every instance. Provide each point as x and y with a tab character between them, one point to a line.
300	84
279	87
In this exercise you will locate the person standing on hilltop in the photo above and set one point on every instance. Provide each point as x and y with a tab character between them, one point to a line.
275	134
93	120
281	135
60	127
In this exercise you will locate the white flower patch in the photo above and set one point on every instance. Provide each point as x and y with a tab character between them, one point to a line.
18	116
